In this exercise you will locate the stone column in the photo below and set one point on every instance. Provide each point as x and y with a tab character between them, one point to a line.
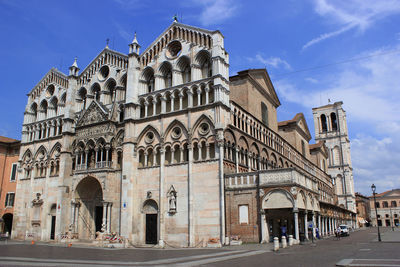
198	97
305	225
154	107
72	219
264	228
190	197
314	224
163	104
237	159
109	205
180	101
104	221
76	216
207	151
222	190
319	224
190	98
296	224
160	201
172	102
207	90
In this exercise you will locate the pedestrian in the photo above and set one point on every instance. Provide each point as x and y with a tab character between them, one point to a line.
317	233
283	230
338	232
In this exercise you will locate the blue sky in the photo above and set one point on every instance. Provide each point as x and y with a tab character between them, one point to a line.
294	40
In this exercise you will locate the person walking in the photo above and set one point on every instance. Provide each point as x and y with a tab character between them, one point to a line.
338	232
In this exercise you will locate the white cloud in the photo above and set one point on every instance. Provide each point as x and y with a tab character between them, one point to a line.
128	36
370	90
274	62
311	80
216	11
352	14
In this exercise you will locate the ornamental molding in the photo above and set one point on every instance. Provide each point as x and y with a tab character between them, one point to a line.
94	114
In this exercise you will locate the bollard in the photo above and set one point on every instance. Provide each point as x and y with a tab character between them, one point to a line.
276	244
290	240
284	243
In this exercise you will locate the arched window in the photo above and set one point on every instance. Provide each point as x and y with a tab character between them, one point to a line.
148	76
184	67
385	204
203	58
323	123
82	96
264	113
110	88
43	108
95	90
393	204
166	72
334	121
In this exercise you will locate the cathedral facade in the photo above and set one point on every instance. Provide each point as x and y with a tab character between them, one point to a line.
163	148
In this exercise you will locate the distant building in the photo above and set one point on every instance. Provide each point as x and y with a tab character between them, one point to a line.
363	210
388	208
331	127
9	152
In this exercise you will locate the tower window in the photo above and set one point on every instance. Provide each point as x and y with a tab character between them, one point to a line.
334	121
324	127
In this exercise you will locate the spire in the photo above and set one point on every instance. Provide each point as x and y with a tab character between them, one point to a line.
134	46
74	69
135	40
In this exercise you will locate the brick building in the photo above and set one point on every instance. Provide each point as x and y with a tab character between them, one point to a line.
363	210
163	147
9	152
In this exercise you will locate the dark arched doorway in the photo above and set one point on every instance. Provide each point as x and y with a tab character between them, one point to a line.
8	218
53	210
90	213
150	209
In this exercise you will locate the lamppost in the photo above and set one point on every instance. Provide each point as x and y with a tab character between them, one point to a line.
373	187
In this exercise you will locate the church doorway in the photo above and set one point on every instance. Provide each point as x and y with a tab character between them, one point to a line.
53	221
89	213
8	218
150	208
98	218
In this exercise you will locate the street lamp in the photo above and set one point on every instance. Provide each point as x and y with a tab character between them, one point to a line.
373	187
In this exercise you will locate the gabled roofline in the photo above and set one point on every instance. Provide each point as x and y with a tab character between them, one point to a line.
55	70
97	57
247	74
179	25
293	122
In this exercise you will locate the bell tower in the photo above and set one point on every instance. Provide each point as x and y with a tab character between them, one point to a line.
331	127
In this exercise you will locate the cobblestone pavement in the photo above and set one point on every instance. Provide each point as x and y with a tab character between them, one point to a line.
360	249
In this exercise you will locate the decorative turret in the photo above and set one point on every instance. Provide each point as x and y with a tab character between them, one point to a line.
134	46
73	70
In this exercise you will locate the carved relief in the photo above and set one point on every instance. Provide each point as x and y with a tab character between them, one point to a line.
94	114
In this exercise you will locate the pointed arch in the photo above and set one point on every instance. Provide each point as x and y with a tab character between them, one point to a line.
200	120
172	125
27	153
146	130
56	147
40	150
230	136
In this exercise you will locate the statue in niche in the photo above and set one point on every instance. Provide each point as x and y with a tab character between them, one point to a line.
172	199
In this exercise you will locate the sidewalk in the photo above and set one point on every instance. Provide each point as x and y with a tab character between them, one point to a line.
387	235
